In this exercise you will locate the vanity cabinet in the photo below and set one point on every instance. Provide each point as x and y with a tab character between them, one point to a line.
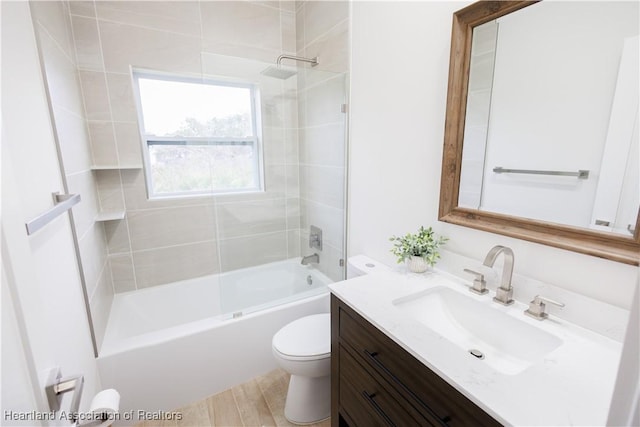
375	382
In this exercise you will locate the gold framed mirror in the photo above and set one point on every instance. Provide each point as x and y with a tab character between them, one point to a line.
582	239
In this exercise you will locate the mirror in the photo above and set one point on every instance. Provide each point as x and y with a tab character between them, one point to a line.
541	134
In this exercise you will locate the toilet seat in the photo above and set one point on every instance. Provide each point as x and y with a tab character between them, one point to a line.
307	338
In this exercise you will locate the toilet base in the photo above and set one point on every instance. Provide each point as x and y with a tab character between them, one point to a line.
308	399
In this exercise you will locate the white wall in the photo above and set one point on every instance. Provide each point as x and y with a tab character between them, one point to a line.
476	122
625	406
621	148
550	106
400	61
16	392
44	281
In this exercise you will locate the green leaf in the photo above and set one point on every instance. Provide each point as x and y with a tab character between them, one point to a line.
424	244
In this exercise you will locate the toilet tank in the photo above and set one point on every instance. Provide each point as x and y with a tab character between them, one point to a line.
359	265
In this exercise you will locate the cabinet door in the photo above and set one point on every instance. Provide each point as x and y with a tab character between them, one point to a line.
370	400
433	397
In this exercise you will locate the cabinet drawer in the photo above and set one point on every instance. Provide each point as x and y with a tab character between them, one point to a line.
368	401
429	393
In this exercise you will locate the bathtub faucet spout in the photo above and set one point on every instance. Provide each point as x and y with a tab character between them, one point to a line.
315	258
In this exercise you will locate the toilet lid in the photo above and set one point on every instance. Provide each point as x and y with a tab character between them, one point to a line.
306	337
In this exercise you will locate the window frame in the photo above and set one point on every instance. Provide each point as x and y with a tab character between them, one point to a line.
149	140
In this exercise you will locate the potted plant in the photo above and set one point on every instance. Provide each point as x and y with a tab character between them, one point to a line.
420	249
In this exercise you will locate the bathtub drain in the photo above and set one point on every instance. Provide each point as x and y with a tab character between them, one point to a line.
309	280
476	353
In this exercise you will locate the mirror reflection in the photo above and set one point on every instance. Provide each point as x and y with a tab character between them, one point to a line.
551	127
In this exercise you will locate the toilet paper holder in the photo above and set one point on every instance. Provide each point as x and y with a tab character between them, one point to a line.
61	386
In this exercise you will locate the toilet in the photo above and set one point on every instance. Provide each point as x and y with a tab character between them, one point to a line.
303	349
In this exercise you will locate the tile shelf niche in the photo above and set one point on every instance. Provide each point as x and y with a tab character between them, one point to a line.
110	216
118	214
114	167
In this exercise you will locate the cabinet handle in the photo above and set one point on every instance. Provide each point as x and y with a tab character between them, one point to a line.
369	398
373	357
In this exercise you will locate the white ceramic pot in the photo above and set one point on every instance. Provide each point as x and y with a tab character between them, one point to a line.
417	264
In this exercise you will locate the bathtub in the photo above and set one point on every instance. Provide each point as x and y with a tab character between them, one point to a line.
171	345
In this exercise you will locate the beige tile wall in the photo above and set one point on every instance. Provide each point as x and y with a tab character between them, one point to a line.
173	263
323	31
166	240
54	28
188	237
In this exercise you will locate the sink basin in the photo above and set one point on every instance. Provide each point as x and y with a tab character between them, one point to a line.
497	339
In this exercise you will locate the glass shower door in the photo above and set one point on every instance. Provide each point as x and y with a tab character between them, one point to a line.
262	236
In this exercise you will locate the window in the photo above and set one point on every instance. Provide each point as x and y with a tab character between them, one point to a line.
199	136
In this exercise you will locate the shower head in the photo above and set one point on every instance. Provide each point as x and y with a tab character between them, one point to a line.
278	72
283	74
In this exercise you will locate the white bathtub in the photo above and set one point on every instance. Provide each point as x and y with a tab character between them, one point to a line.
171	345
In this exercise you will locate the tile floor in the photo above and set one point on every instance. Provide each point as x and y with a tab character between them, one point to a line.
259	402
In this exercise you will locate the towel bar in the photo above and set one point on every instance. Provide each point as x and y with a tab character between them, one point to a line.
62	203
581	174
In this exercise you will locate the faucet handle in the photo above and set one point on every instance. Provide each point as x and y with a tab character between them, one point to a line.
479	285
537	306
541	300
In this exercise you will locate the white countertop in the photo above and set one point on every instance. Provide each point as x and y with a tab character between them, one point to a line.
572	385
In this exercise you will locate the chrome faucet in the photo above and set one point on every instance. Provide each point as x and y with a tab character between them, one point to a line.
505	291
306	260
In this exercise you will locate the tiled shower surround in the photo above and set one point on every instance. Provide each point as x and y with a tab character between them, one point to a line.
88	50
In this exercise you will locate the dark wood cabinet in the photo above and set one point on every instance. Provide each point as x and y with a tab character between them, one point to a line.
375	382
